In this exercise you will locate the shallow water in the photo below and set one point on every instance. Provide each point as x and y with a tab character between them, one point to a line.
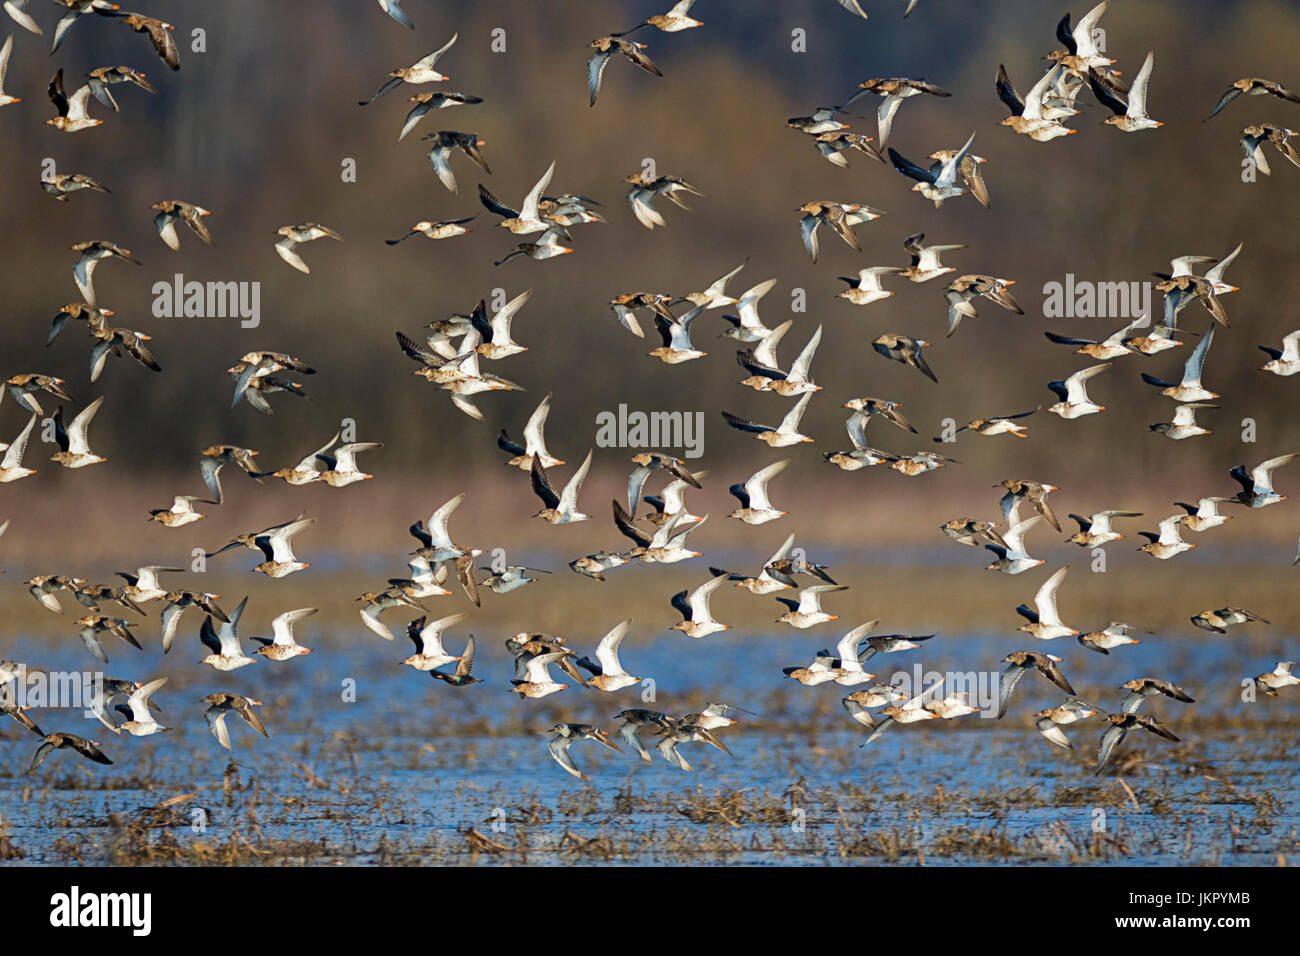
400	773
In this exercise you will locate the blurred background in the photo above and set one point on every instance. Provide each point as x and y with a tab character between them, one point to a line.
256	129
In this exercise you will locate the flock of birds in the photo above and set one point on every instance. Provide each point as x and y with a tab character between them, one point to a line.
449	353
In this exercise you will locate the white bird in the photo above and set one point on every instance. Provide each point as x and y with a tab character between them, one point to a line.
5	98
561	508
867	288
1131	116
755	507
1010	549
276	545
527	220
534	441
1168	542
391	8
851	671
11	465
612	676
715	297
1045	623
74	446
1285	361
1204	515
698	620
1257	486
428	642
1184	424
807	611
142	723
226	654
785	434
749	326
537	680
283	645
1073	393
1190	388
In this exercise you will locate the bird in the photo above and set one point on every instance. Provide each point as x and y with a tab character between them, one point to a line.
1035	492
111	341
1112	347
444	141
177	602
527	219
698	620
101	78
74	446
93	625
75	9
1115	634
142	722
181	512
1167	542
72	116
1028	116
925	259
1205	515
537	681
996	425
939	181
807	611
550	246
781	436
1131	110
1120	725
1284	361
612	677
1257	484
1190	389
428	642
171	210
1139	689
1220	620
215	457
650	461
892	91
20	16
1253	86
143	586
841	217
666	546
755	507
644	189
904	349
461	676
341	463
277	547
534	441
605	48
633	720
594	565
748	325
963	290
1012	558
674	21
424	102
226	654
160	35
1184	424
1073	394
971	532
421	71
92	252
674	732
1020	663
561	508
676	336
1050	720
866	288
284	646
306	471
568	734
1095	529
510	578
24	387
63	741
293	235
1280	676
377	602
969	167
1045	622
394	10
223	703
62	185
